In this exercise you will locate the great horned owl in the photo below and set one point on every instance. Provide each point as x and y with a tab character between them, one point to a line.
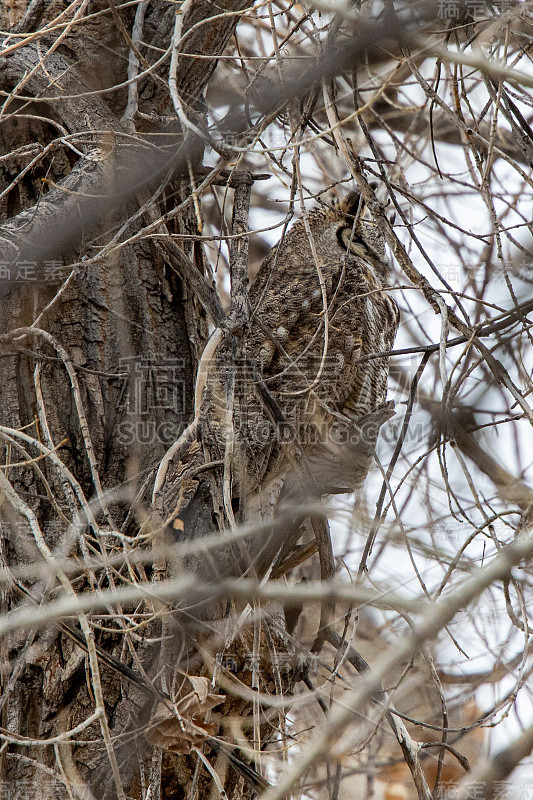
318	305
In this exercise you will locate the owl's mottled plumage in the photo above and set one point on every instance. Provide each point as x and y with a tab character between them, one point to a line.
318	304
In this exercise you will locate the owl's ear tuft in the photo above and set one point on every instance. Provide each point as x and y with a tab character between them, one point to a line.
351	203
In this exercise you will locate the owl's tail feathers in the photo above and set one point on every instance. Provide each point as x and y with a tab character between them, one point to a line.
341	463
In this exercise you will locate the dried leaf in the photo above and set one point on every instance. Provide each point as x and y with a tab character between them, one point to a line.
176	729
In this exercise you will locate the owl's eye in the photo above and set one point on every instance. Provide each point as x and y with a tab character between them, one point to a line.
352	242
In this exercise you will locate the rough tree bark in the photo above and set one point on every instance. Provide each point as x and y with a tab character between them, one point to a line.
90	372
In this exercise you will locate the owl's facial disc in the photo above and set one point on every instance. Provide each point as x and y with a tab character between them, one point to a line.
352	242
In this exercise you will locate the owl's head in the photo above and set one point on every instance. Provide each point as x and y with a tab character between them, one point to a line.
357	232
342	231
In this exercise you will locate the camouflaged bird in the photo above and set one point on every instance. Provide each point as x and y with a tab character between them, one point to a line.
318	305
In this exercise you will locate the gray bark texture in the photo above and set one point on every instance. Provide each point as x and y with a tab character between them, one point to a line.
128	325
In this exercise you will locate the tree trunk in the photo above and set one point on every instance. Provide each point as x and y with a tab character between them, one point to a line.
103	370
